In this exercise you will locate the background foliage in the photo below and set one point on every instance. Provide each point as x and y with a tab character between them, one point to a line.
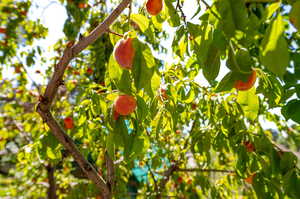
190	126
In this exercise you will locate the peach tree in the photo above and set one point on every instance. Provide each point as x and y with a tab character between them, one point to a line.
146	100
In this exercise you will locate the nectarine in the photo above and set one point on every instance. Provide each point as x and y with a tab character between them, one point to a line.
124	53
82	5
125	104
89	71
243	86
250	178
2	30
68	121
249	146
163	94
116	115
154	6
180	180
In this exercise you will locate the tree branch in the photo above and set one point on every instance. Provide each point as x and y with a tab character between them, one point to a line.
71	52
68	143
166	175
44	105
110	171
204	170
52	184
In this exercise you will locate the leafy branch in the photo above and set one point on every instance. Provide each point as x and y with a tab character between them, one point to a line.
46	100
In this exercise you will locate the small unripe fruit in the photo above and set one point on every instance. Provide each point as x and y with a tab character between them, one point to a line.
125	104
68	121
154	7
243	86
124	53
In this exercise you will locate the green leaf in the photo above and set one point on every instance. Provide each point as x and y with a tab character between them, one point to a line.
174	19
233	15
212	64
142	108
141	21
119	76
226	83
244	60
110	145
292	110
51	154
274	51
271	9
288	161
295	15
120	133
291	184
271	88
143	67
249	102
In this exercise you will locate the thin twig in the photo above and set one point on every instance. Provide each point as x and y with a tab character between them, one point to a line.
153	177
211	10
166	175
204	170
181	11
115	33
29	76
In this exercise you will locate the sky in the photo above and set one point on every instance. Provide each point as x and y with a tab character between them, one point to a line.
53	15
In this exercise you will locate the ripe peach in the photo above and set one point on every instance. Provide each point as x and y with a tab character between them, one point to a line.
194	106
250	178
89	71
125	104
249	146
116	115
82	5
68	121
180	180
17	69
154	7
243	86
23	13
124	53
178	132
163	94
3	30
76	72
